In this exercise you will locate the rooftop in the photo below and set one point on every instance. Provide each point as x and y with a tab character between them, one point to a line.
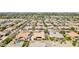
72	34
55	34
22	35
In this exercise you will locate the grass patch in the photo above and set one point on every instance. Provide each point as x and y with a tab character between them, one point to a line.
67	38
5	42
74	43
26	43
51	38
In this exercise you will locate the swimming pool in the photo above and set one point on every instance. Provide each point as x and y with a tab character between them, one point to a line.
19	42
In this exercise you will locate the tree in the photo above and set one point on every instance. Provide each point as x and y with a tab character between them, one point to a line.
2	28
74	43
72	28
46	30
62	32
67	38
6	41
51	38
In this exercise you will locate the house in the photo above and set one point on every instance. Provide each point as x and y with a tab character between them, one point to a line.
28	27
38	36
22	35
48	24
39	28
50	27
1	33
73	35
55	34
6	32
10	28
40	24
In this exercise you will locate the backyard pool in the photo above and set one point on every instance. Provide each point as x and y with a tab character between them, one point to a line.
19	42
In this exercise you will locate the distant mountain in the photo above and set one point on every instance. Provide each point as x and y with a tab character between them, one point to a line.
39	13
9	15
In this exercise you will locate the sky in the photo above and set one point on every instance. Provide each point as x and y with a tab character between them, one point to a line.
39	6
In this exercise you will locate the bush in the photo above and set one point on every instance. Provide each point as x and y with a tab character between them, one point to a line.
62	32
26	43
51	38
2	28
74	43
67	38
46	30
46	37
72	28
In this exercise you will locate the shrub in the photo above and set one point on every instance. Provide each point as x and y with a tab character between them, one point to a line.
2	28
72	28
46	30
51	38
24	44
62	32
67	38
74	43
